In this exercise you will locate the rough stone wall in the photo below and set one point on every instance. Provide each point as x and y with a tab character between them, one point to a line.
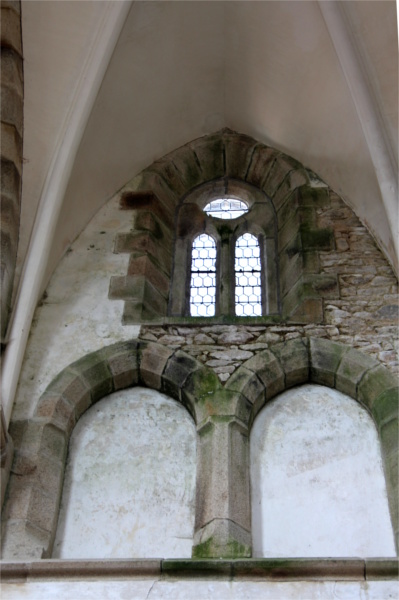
11	148
363	315
145	287
330	270
11	109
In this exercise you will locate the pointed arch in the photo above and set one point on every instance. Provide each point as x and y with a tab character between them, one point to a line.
287	197
39	465
335	365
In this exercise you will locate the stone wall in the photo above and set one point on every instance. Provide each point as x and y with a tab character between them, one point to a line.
336	286
10	171
11	148
223	415
362	311
330	271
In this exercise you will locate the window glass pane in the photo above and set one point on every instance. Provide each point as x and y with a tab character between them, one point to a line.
203	277
248	295
226	208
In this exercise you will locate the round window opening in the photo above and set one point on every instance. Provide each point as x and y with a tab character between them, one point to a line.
226	208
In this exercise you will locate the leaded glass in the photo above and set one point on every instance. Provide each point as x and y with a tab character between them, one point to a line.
248	294
226	208
203	277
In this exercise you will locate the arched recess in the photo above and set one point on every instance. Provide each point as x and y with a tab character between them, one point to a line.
129	484
230	160
317	484
223	415
31	510
334	365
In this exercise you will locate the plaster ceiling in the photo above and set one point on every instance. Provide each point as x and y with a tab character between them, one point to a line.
180	70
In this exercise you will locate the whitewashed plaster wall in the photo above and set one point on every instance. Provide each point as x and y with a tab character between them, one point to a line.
268	69
153	589
129	487
76	317
317	483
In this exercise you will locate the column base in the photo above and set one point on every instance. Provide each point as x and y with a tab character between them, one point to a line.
222	538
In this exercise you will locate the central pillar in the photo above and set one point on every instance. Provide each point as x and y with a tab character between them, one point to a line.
223	516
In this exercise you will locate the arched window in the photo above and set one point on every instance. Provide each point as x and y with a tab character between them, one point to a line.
203	277
248	289
225	254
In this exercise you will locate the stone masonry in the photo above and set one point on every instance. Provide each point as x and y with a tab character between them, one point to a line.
11	148
10	170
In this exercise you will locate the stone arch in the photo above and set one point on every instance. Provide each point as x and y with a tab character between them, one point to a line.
35	486
295	194
335	365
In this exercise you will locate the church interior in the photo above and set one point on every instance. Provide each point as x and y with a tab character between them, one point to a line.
199	299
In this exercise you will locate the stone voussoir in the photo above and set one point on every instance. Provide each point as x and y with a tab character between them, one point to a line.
95	372
152	361
39	437
386	406
74	389
293	357
169	173
248	384
54	409
268	368
279	170
351	370
209	151
123	364
239	150
373	383
178	368
262	159
200	386
295	179
325	360
187	165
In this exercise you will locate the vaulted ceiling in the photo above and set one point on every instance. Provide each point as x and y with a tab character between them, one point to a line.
112	86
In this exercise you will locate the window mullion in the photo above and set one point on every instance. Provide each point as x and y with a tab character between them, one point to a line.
226	289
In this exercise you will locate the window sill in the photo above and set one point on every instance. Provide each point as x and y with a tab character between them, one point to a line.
223	320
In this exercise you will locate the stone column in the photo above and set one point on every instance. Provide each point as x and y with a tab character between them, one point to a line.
11	149
223	515
11	170
227	287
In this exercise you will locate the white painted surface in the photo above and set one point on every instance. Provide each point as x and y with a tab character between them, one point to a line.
150	589
129	488
62	158
182	69
76	317
316	478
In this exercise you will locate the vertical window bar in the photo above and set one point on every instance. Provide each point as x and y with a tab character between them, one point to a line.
248	288
203	277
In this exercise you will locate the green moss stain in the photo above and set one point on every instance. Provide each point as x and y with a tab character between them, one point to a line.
212	549
323	239
204	550
203	383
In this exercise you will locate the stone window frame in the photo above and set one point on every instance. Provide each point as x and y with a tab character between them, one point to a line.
192	221
223	415
296	195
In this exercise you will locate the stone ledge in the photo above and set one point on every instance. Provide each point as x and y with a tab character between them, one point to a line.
279	569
